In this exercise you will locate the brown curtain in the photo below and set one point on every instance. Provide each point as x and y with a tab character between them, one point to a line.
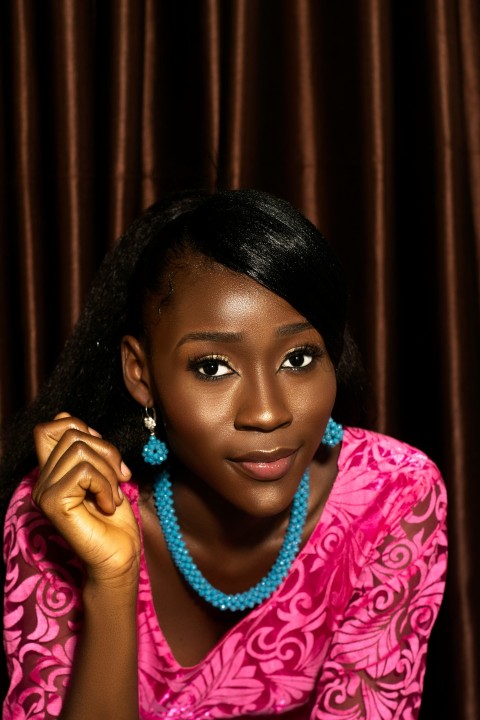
364	114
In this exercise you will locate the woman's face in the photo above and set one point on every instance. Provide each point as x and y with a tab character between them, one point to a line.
243	383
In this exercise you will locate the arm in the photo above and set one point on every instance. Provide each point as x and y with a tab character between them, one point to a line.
78	492
105	679
376	662
42	609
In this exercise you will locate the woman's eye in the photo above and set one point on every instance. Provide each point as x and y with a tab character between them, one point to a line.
298	360
213	368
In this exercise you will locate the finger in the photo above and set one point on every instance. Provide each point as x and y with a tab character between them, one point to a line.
79	452
52	439
61	415
69	493
47	435
98	539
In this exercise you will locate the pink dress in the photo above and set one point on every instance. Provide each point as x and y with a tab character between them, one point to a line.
345	635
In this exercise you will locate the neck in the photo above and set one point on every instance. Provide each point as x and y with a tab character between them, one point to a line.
263	588
208	518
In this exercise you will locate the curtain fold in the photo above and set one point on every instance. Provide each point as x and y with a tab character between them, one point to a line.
28	171
457	305
377	79
125	93
469	24
236	94
148	129
211	82
71	70
306	118
367	117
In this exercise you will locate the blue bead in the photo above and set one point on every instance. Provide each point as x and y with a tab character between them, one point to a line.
155	452
333	433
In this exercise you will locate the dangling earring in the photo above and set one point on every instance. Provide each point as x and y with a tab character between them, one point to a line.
333	433
155	452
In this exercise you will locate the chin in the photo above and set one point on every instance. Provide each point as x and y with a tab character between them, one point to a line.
267	501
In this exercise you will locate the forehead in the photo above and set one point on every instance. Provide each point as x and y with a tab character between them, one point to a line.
205	295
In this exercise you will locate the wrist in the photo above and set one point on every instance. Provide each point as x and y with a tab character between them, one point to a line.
113	593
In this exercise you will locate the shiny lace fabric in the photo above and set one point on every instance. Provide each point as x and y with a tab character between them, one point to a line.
343	637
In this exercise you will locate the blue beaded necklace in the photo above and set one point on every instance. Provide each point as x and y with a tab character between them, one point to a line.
163	497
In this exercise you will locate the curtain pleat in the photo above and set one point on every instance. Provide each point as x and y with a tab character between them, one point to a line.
377	78
236	100
456	303
365	115
28	174
72	66
307	122
469	24
7	299
212	54
124	110
148	147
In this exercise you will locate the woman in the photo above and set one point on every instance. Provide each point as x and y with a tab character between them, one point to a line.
257	558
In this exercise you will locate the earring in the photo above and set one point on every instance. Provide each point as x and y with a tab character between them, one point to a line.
333	433
155	452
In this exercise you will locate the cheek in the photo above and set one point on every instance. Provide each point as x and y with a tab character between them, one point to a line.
196	416
313	401
200	416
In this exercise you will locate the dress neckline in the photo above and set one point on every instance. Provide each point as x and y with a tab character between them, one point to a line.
253	614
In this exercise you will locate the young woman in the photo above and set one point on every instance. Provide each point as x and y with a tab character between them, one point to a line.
256	559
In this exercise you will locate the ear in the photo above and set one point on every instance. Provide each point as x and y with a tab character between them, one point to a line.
136	374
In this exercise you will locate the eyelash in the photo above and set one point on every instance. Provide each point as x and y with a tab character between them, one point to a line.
196	363
313	351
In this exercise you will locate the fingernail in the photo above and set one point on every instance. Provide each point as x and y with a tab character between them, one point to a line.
124	469
94	432
120	493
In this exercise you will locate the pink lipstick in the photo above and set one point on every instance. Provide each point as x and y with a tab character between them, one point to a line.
268	465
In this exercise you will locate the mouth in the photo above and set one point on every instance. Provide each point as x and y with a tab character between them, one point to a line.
268	465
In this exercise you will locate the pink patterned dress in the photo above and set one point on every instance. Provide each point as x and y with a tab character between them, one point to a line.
345	635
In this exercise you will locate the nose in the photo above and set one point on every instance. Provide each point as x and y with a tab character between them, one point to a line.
263	406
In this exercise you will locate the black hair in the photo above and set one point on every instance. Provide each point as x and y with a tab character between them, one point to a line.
87	380
264	238
247	231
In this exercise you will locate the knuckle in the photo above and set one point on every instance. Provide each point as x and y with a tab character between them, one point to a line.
84	469
72	435
113	453
51	503
44	499
80	447
40	430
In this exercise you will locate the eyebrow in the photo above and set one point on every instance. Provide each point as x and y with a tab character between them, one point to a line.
229	337
211	336
293	329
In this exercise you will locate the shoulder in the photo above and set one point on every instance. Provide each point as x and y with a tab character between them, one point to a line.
32	545
371	451
21	513
398	474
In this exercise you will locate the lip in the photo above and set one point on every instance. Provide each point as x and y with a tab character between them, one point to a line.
267	465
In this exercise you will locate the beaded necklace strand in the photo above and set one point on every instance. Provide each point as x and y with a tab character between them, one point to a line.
163	497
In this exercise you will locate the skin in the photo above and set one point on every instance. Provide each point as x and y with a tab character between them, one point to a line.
232	369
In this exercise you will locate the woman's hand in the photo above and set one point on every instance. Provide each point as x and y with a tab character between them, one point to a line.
78	490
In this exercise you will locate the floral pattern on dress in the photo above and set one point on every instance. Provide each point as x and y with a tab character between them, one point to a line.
344	636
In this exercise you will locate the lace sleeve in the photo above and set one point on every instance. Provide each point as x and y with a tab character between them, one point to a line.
376	663
42	610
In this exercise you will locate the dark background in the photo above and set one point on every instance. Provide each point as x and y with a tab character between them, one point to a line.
363	113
